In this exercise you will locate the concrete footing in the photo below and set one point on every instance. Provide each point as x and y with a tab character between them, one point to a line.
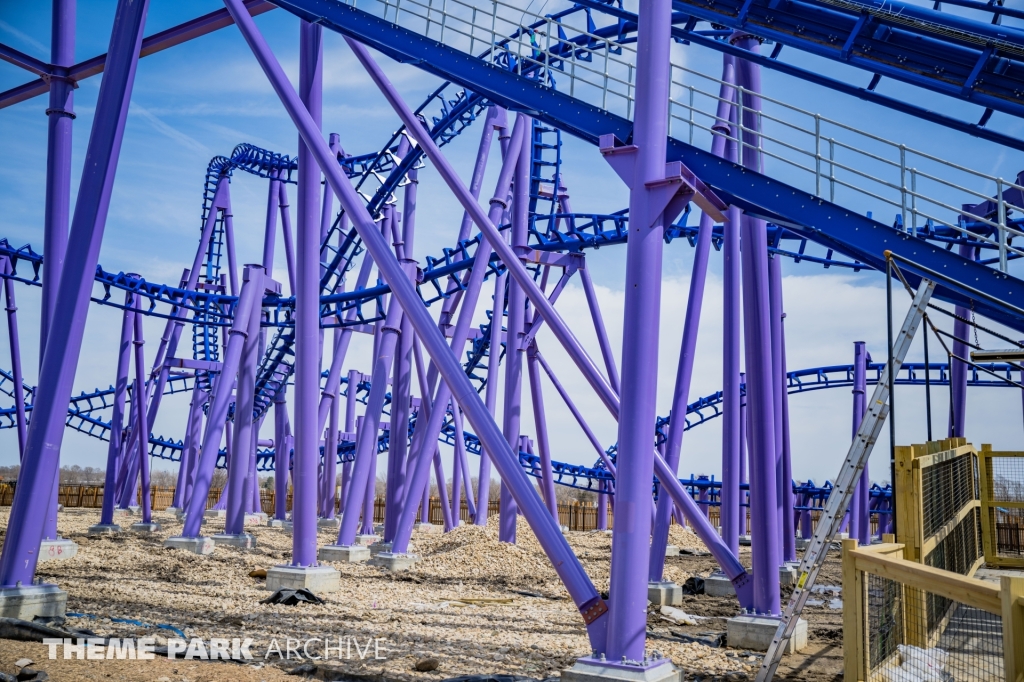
718	585
313	578
802	544
104	529
664	593
367	539
756	633
57	550
671	550
122	511
276	523
216	513
788	575
394	562
142	527
349	554
241	540
256	519
328	523
592	670
745	540
199	545
378	547
28	602
427	528
173	510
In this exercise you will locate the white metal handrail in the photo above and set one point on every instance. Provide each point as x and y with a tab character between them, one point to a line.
830	159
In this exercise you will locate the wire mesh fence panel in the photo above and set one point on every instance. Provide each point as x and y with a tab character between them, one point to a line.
1002	507
902	631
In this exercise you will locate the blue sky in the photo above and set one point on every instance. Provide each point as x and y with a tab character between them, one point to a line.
201	99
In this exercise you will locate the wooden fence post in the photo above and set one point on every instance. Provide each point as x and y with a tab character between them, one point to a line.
1012	593
854	669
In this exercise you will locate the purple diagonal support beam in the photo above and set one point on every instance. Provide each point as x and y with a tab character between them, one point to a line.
38	476
577	583
541	424
245	394
602	332
117	414
220	402
14	342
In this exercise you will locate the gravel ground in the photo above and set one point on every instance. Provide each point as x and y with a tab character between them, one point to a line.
518	619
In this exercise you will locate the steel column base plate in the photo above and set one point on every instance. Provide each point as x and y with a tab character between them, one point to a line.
593	670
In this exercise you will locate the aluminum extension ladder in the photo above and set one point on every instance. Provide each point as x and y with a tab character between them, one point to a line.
846	481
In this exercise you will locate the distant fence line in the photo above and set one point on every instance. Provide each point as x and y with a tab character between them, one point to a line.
576	515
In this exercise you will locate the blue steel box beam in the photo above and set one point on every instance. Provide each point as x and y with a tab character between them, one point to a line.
848	233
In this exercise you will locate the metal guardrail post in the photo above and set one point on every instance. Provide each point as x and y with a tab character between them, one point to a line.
817	155
903	184
1001	219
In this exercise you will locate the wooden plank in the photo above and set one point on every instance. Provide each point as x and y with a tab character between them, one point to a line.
946	455
970	591
854	649
985	493
1012	591
929	544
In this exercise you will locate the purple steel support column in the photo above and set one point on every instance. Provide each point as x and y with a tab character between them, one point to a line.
270	231
60	115
334	142
734	469
957	368
282	457
425	504
744	434
788	500
806	527
766	553
229	241
602	333
783	468
460	453
350	428
630	543
364	472
442	491
576	581
117	415
34	498
483	500
602	508
286	236
245	394
141	424
423	440
540	422
860	512
15	344
331	458
512	412
457	461
688	345
186	453
371	485
249	298
307	310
